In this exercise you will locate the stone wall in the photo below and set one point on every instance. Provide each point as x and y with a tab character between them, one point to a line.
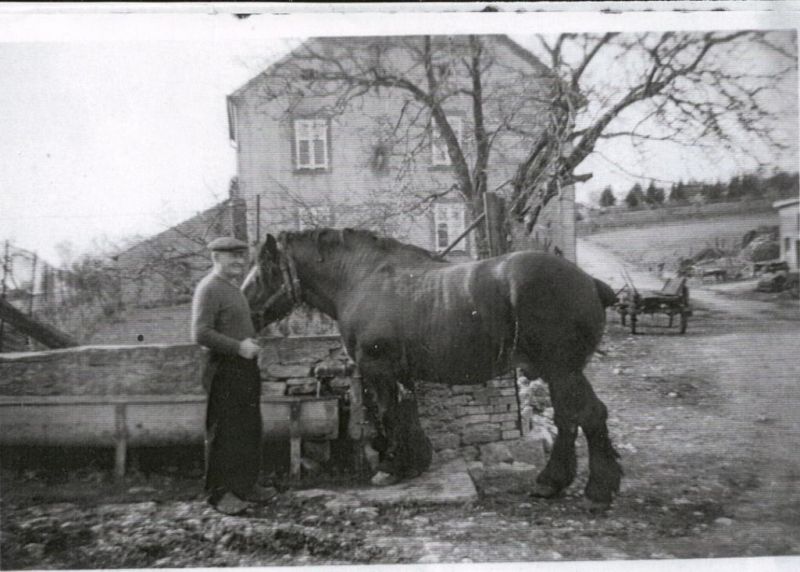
103	370
461	418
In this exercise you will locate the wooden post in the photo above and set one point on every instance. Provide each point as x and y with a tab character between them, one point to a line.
121	437
295	450
357	421
258	219
33	285
3	294
33	296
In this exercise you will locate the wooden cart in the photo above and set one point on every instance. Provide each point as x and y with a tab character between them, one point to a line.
672	300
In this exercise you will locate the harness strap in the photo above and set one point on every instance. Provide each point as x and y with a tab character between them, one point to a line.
291	283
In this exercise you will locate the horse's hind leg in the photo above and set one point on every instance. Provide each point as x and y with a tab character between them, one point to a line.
560	470
575	404
605	472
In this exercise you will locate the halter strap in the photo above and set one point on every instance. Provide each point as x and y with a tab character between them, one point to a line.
291	283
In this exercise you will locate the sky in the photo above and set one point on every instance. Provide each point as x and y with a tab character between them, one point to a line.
115	125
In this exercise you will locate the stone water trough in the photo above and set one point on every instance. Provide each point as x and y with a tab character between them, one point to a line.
122	396
149	395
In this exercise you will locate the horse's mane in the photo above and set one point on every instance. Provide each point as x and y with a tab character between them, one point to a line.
357	239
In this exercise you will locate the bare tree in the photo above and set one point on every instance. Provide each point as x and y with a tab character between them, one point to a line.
692	88
430	76
687	87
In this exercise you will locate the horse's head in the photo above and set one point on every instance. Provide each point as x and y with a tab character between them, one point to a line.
268	286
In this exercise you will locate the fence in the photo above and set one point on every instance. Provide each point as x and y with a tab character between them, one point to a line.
45	293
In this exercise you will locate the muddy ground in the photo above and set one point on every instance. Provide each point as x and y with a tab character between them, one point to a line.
705	423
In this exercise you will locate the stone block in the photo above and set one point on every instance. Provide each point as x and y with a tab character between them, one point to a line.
502	382
495	453
472	419
456	400
511	434
273	388
530	450
503	408
283	371
302	386
446	455
460	389
500	417
481	433
470	453
340	384
480	394
463	410
104	370
476	470
507	392
443	441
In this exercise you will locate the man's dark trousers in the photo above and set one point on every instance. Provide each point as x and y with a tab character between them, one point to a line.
233	427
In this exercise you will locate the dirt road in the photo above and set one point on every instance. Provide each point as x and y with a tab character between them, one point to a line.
705	424
610	267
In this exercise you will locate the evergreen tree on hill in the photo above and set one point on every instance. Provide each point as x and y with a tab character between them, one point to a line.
607	198
635	197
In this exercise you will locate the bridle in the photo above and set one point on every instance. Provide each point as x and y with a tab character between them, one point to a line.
290	286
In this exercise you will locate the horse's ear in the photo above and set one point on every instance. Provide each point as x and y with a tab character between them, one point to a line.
269	251
271	246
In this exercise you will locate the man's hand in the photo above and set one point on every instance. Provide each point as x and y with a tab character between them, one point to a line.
248	348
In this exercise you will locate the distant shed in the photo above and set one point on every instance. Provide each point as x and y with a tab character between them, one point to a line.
789	214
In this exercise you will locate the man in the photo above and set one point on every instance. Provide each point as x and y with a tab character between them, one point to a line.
221	322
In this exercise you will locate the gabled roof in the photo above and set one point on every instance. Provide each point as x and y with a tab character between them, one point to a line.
785	203
183	227
515	48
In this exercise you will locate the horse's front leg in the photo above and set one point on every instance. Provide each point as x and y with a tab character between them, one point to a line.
405	451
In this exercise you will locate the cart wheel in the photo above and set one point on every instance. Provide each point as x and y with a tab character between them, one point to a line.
684	321
633	323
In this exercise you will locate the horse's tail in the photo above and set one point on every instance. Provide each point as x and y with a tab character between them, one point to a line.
607	295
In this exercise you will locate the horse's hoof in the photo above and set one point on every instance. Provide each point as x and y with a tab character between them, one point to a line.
544	491
381	479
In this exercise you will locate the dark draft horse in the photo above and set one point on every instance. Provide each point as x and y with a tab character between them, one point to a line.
406	315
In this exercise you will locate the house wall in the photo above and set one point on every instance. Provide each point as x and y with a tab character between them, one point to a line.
789	214
166	267
265	159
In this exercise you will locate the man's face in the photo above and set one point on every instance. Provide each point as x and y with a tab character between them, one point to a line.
230	263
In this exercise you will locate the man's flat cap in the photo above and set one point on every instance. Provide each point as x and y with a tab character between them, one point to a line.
227	244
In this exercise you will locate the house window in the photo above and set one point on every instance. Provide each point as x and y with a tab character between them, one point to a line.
314	217
232	123
448	222
440	155
311	143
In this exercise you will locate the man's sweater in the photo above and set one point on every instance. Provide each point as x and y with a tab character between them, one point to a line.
220	315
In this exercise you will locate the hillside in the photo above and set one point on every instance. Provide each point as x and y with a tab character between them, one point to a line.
665	243
601	221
